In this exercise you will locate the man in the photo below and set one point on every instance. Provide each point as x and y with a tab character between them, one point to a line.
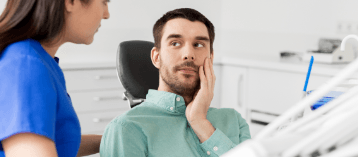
176	120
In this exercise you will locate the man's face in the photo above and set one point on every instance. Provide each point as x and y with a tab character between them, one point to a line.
184	47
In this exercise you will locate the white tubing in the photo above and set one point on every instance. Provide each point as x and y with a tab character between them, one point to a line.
345	40
333	127
323	109
346	106
347	150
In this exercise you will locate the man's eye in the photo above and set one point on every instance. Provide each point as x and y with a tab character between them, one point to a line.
175	44
198	45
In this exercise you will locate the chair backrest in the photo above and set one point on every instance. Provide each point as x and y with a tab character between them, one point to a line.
136	71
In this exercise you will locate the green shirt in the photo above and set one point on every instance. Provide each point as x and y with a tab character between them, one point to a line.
158	128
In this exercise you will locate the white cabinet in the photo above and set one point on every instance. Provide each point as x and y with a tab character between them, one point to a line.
91	79
97	121
101	100
260	95
271	92
233	89
96	96
275	91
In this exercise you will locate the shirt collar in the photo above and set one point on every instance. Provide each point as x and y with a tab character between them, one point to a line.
57	59
38	44
166	100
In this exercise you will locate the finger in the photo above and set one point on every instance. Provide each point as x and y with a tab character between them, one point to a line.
212	82
212	67
208	73
203	81
213	75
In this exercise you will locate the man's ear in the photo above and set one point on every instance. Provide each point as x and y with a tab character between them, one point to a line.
154	55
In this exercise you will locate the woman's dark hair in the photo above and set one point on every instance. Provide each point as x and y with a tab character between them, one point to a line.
41	20
186	13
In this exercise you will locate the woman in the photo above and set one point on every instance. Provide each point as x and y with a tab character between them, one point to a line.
36	113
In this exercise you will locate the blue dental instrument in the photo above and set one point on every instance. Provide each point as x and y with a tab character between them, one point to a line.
308	74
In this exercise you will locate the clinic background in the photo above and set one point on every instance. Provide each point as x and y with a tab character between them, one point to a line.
260	90
256	27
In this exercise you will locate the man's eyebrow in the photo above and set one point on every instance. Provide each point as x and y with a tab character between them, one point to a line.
202	38
174	36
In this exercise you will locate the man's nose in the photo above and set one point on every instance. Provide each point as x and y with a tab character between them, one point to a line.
189	54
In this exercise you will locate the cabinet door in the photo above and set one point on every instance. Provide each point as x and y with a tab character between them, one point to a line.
217	94
85	80
233	89
276	91
97	122
96	101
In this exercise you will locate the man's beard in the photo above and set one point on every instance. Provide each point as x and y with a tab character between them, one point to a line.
178	87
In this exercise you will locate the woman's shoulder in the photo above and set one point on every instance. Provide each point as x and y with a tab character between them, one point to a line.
20	49
20	63
25	54
20	46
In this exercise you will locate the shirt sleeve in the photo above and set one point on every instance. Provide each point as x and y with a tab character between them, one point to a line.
218	143
27	98
124	140
244	128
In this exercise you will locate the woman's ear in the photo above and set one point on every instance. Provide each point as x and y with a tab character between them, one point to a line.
70	5
154	55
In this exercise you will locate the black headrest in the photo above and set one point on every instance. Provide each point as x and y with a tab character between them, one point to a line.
135	68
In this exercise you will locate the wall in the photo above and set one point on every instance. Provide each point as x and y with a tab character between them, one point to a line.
242	26
268	27
132	20
2	5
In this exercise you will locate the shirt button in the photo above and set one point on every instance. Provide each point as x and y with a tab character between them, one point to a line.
171	108
178	99
215	148
208	152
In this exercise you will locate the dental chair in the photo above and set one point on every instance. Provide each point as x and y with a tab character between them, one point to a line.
136	71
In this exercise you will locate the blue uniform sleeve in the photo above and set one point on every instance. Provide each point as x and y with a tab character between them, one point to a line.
124	140
27	98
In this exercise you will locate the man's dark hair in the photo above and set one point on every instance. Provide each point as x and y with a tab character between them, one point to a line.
186	13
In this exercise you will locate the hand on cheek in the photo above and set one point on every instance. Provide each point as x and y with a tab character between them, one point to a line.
197	109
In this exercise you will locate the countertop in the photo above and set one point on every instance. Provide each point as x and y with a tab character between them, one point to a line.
68	66
242	60
276	63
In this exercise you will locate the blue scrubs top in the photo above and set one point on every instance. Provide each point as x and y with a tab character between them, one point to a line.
34	99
